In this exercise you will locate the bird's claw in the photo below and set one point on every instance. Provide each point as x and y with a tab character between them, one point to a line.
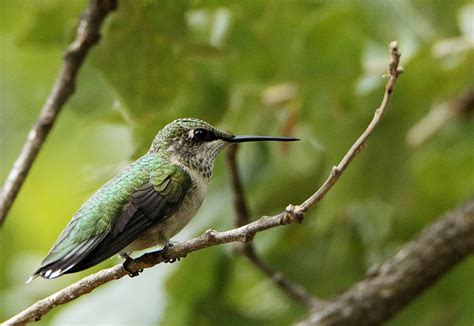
172	260
133	274
126	264
167	259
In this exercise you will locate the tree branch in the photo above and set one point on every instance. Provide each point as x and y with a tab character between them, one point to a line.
211	238
242	213
242	217
418	265
208	239
394	71
88	34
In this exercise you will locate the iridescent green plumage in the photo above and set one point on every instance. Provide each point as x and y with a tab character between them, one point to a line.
146	204
106	213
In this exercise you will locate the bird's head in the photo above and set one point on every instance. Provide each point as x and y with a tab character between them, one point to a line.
195	143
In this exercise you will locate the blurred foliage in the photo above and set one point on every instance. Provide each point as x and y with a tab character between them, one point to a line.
312	69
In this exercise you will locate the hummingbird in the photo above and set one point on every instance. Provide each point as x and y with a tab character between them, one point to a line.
146	204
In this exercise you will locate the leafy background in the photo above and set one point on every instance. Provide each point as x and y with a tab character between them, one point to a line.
311	69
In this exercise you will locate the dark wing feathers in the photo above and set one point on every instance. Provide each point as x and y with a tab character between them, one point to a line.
139	200
127	213
61	266
148	209
110	246
149	203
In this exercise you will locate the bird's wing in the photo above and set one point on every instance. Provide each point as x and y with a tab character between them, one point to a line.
148	204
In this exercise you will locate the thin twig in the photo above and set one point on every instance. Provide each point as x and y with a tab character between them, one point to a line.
394	70
208	239
211	238
242	213
242	217
388	288
88	34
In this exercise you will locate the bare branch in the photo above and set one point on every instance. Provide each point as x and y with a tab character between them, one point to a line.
242	217
88	34
242	214
211	238
208	239
394	70
418	265
42	307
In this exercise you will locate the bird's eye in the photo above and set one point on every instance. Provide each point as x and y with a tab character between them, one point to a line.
200	134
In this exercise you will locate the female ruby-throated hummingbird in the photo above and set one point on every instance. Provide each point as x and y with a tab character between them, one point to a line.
146	204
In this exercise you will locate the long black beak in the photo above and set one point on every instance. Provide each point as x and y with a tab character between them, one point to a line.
244	139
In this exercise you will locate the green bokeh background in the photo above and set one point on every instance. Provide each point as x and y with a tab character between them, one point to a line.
231	63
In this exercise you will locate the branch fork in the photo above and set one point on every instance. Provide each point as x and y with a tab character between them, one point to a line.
293	213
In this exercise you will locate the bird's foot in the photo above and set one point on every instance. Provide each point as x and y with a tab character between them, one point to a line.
126	264
165	249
